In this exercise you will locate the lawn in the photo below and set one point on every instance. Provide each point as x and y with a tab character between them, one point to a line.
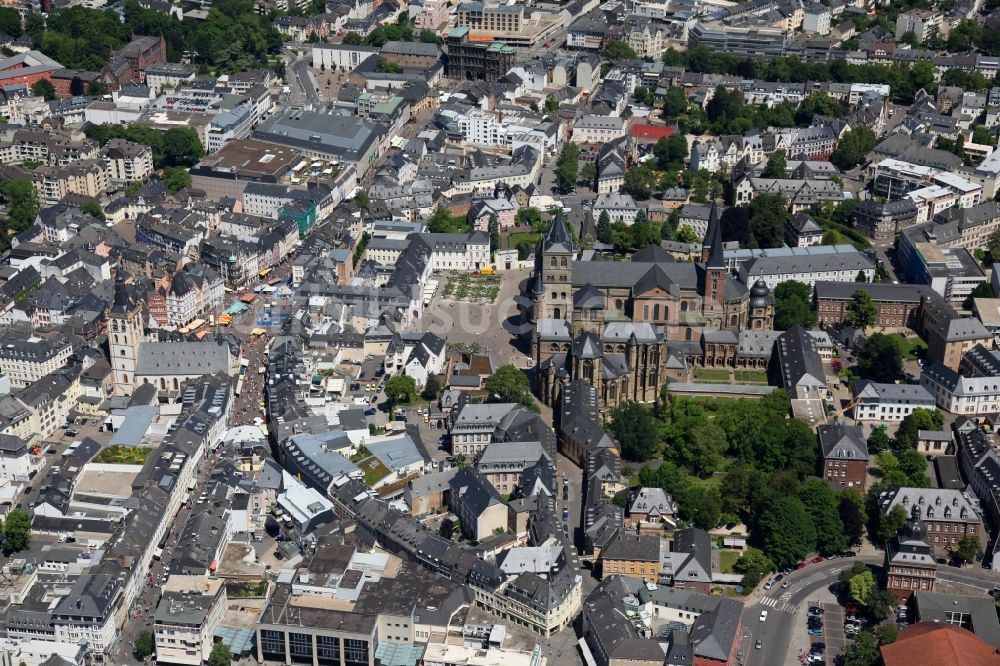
910	347
374	470
716	374
726	560
123	455
473	288
514	239
751	376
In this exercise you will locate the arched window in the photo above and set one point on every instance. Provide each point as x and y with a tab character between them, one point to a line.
645	313
175	384
553	263
684	306
687	334
652	376
163	383
588	369
557	313
656	312
732	320
125	379
123	352
563	262
618	304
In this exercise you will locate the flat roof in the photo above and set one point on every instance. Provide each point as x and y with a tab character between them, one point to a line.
249	157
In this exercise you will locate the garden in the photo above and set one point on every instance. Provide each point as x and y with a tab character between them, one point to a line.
472	288
123	455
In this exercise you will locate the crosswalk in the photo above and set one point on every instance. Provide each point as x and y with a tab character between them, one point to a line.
781	603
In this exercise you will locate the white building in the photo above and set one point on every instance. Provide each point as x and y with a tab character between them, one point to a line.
26	361
128	162
598	129
834	266
889	402
186	617
961	395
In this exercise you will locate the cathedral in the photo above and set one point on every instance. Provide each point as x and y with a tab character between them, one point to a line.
622	326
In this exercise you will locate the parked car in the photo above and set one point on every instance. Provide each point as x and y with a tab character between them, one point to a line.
763	616
817	559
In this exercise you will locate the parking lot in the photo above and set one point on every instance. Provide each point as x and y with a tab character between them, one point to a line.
833	632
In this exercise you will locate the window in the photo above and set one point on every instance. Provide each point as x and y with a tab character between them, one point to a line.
272	644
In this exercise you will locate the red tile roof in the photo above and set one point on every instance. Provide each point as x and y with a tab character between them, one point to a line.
651	131
939	644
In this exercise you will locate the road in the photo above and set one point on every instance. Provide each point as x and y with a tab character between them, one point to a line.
786	607
300	81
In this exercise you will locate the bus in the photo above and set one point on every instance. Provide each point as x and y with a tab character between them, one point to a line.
244	364
195	325
239	386
264	273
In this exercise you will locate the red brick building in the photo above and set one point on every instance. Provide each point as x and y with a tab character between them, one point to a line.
129	64
28	68
909	561
845	456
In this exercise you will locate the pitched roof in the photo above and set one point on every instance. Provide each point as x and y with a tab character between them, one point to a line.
940	644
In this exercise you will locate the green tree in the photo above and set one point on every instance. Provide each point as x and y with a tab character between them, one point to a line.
96	89
43	88
144	644
92	208
919	419
701	448
674	103
777	165
862	587
677	150
353	39
509	384
768	214
968	549
10	21
604	227
634	428
16	531
982	136
401	389
853	146
686	235
981	290
640	180
567	166
880	360
754	565
182	147
793	306
361	198
619	50
784	531
889	524
176	179
822	505
861	276
861	311
993	245
878	441
551	104
914	466
887	633
386	66
494	231
432	387
588	173
430	37
22	201
863	651
851	507
220	655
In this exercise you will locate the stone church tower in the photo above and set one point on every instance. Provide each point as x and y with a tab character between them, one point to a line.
126	328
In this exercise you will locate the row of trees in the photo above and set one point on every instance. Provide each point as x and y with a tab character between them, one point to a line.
903	78
177	147
233	36
640	234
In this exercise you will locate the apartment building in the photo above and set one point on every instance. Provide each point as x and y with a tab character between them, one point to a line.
128	162
25	361
889	402
948	515
186	617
